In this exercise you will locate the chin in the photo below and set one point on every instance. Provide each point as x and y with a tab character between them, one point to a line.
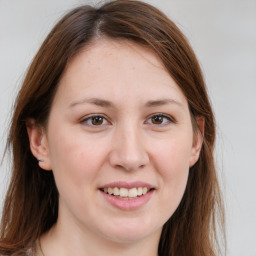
130	232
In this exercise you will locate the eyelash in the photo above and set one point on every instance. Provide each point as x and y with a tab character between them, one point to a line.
168	118
89	119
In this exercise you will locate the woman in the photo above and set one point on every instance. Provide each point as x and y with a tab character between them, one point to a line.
112	139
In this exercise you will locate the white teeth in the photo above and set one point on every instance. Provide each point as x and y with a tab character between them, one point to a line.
126	193
110	191
116	192
139	191
144	191
133	192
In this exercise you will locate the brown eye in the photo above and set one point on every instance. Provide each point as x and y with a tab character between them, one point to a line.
157	119
97	120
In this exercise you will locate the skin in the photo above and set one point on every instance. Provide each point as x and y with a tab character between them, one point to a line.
130	142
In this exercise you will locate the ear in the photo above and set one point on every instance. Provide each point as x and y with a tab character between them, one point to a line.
38	144
197	141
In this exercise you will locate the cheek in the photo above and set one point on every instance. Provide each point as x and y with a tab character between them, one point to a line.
75	159
173	156
173	166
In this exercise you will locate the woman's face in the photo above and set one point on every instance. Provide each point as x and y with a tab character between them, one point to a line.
118	124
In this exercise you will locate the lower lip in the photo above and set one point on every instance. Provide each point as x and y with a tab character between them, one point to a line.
128	204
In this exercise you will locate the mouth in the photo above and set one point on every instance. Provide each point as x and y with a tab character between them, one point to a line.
127	193
127	196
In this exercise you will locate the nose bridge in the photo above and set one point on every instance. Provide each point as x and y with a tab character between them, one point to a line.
129	151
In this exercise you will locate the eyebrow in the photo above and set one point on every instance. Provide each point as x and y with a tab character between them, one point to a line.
94	101
108	104
156	103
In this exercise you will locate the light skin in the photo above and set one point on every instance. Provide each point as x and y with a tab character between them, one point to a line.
117	116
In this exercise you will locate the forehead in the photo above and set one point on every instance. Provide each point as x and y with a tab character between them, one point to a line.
119	54
109	68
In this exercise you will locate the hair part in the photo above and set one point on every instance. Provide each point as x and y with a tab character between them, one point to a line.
31	204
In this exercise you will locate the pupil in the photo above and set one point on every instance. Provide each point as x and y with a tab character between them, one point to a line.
97	120
157	119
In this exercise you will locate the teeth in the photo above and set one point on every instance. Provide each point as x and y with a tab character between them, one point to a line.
124	192
139	191
144	191
116	192
133	192
110	191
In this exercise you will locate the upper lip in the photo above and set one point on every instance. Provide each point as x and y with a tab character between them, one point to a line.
128	185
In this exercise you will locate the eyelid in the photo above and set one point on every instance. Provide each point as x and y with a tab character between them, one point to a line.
167	116
88	117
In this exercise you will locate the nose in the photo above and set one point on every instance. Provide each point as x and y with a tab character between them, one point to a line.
128	151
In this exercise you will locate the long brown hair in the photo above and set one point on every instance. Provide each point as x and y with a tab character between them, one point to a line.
31	204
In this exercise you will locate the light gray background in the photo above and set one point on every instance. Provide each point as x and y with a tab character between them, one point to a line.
223	34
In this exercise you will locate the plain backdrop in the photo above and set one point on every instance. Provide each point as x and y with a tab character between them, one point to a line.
223	35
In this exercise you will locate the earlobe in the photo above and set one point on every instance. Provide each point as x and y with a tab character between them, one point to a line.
197	141
38	144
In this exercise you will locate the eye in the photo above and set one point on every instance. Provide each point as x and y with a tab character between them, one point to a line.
94	120
159	119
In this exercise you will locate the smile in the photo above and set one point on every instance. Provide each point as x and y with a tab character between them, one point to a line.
127	196
125	193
